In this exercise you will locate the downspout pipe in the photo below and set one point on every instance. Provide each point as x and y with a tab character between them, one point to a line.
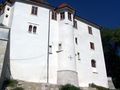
48	49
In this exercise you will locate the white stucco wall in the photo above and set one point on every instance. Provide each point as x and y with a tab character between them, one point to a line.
29	51
86	73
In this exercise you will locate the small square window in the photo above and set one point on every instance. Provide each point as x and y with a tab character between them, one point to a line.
93	63
34	10
69	16
60	47
78	54
30	28
34	29
50	49
92	45
8	9
90	30
6	16
62	15
75	24
54	15
76	40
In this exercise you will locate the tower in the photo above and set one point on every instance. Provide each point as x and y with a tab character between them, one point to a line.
66	55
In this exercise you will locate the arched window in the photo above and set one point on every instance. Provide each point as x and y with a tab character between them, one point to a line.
30	28
93	63
34	29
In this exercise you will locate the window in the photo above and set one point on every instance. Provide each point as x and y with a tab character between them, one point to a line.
6	15
54	15
75	24
93	63
60	47
50	49
76	41
8	9
34	10
90	30
32	29
78	54
69	16
62	15
92	45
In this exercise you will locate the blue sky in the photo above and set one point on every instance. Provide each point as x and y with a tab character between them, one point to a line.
102	12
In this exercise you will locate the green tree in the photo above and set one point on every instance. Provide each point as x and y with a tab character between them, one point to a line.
111	47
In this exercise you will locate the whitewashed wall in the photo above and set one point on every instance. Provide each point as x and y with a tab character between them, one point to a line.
28	55
29	51
85	71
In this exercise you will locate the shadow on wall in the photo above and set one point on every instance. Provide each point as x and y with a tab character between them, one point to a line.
4	58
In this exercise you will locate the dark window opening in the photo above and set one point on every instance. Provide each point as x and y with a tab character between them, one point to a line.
76	41
69	16
34	29
8	9
50	49
93	63
78	55
92	45
34	10
60	46
54	15
30	28
6	15
90	30
75	24
62	15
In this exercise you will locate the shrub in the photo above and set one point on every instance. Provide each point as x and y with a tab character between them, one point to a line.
11	83
69	87
98	87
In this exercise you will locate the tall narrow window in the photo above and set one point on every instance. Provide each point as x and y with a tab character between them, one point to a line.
60	47
69	16
90	30
93	63
30	28
54	15
78	54
50	49
76	41
34	10
75	24
34	29
92	45
62	15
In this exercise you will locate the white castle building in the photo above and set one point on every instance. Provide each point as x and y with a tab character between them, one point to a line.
53	45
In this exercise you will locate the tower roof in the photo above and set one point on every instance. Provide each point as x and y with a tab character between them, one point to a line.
38	0
63	5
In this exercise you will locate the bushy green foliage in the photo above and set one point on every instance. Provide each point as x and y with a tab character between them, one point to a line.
98	87
111	47
12	83
69	87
